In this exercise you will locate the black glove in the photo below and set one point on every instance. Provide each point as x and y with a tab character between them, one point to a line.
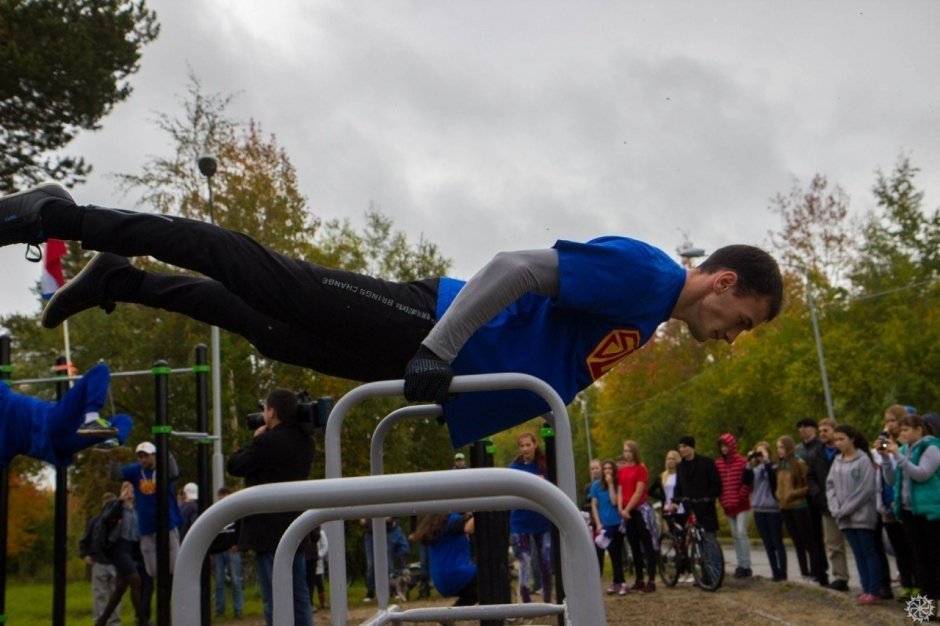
427	377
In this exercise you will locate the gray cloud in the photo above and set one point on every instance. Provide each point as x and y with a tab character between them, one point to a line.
497	125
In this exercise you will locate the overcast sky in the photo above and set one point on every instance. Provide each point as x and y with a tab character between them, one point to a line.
493	125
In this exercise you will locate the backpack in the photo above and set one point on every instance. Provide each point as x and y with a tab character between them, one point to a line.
106	529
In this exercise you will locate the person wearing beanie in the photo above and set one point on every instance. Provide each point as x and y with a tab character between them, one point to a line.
697	478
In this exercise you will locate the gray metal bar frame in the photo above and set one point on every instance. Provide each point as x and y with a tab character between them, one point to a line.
557	417
301	527
377	468
383	493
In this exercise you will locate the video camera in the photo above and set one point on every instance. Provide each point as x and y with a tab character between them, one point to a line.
311	414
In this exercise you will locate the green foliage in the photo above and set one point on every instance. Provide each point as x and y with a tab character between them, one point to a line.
65	64
879	327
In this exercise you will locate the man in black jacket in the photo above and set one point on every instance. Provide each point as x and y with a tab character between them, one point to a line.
697	478
103	576
818	467
281	451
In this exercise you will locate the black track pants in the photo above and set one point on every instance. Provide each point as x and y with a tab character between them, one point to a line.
336	322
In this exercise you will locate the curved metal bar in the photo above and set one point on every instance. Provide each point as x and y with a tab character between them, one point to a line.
579	568
557	417
308	520
376	464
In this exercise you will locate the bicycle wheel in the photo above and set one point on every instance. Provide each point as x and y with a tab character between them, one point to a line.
670	558
708	562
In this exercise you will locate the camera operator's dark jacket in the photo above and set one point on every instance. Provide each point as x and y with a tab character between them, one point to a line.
281	454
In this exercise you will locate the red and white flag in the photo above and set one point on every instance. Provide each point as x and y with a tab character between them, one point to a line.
52	277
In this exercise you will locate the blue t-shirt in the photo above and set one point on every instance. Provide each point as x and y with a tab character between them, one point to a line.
606	509
145	498
449	558
523	520
613	294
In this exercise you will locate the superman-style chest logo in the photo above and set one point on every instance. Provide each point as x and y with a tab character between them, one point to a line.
611	349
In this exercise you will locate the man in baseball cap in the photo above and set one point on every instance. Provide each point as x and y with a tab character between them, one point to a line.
143	476
460	461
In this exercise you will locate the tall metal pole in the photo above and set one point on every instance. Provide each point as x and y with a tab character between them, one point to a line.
6	373
587	429
60	524
491	542
811	302
161	428
202	467
208	165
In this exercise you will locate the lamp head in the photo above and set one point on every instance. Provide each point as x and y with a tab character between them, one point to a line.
208	165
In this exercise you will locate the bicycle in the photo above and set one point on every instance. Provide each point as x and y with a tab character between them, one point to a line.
690	548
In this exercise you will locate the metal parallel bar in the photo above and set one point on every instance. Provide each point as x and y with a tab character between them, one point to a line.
56	379
558	417
384	492
307	521
377	468
492	611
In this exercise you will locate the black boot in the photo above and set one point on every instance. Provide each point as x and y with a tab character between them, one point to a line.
93	286
20	219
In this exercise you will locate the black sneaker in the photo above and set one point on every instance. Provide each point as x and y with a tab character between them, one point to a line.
97	428
839	585
84	291
20	220
108	444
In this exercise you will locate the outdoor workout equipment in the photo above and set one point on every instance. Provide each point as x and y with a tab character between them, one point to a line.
161	430
337	498
378	496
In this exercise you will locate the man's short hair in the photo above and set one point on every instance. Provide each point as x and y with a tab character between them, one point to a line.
828	421
284	404
758	272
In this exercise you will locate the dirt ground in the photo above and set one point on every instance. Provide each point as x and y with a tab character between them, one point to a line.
753	601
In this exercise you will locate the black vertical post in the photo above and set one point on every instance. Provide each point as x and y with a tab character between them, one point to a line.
161	374
60	532
202	465
6	373
491	540
548	436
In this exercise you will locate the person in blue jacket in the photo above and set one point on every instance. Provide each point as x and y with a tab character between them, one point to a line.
530	532
55	431
565	314
452	568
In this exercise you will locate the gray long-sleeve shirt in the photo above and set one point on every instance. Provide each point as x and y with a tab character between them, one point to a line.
502	281
850	491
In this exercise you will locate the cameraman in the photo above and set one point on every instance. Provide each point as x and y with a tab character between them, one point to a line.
281	451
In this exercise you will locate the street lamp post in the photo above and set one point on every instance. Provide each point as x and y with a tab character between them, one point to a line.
811	303
208	165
